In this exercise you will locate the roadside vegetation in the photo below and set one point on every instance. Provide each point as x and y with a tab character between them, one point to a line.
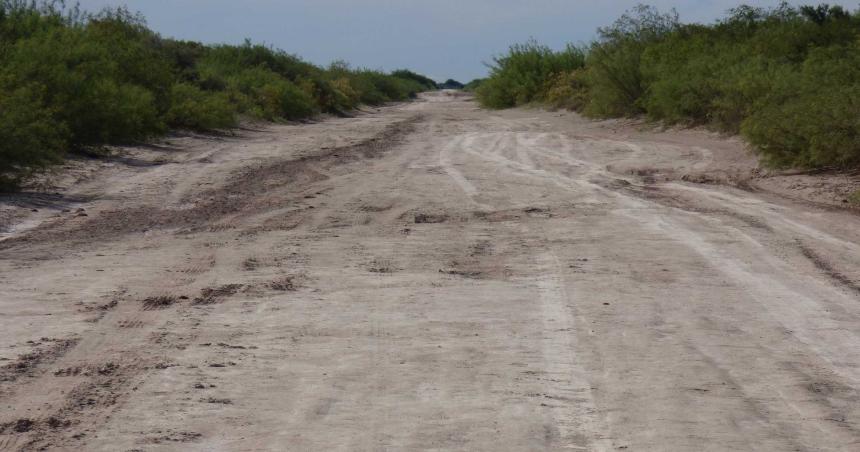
74	81
451	84
787	79
473	85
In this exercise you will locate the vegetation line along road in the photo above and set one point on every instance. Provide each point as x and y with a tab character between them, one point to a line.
786	78
71	80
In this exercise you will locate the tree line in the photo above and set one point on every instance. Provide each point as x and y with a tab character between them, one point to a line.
72	81
786	78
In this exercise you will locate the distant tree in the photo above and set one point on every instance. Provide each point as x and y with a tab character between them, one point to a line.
451	84
424	81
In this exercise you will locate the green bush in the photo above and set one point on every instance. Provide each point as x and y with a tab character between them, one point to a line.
568	91
77	81
809	118
390	88
524	74
100	80
474	85
266	95
193	108
677	72
451	84
787	79
615	79
111	112
366	84
31	140
426	84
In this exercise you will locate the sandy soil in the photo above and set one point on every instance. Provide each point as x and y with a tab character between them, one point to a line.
431	276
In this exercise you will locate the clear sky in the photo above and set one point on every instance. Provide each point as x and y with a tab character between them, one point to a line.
440	38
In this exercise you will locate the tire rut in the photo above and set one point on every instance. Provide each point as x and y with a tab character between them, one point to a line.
248	191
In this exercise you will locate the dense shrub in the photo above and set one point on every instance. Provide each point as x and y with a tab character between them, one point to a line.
525	73
474	84
193	108
568	90
31	139
76	81
614	61
100	79
787	79
810	115
426	83
264	94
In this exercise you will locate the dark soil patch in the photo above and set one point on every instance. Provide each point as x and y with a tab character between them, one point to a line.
158	302
102	307
375	209
250	264
26	363
471	274
429	218
667	199
536	210
482	248
381	266
822	264
22	426
498	216
71	418
171	436
286	284
212	295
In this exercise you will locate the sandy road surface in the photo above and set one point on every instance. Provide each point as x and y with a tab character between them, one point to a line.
428	276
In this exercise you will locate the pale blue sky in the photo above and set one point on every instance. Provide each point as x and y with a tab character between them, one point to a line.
440	38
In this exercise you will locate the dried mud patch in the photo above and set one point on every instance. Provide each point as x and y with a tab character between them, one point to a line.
825	188
159	302
251	264
85	407
658	196
430	218
380	265
217	401
172	340
104	387
827	268
481	248
47	351
482	259
477	267
88	370
212	295
504	215
169	436
288	283
743	182
470	274
100	310
376	208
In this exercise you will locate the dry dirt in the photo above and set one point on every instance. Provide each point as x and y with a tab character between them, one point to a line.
431	276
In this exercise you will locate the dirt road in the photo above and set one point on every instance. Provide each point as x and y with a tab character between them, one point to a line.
429	276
